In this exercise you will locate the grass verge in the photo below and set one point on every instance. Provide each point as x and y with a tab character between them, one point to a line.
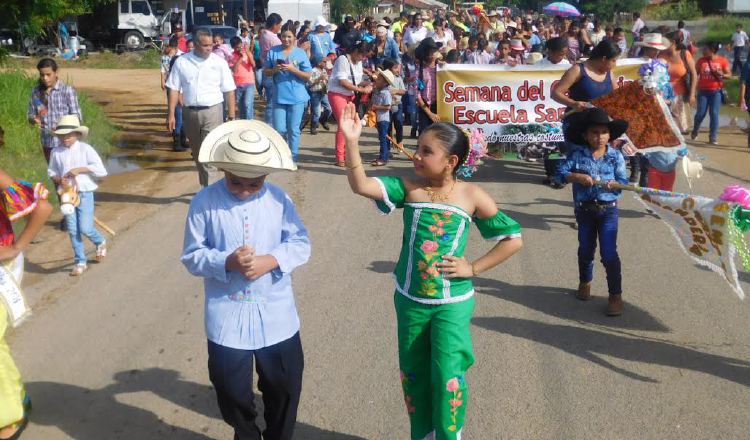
22	155
720	29
147	59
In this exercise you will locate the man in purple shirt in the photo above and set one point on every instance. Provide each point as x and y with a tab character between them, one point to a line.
268	39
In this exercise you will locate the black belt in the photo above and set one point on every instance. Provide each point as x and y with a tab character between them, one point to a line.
597	204
199	107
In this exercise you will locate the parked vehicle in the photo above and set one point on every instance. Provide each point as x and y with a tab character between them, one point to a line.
125	24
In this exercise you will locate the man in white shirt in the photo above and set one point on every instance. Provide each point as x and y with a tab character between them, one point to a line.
739	42
415	33
205	82
638	25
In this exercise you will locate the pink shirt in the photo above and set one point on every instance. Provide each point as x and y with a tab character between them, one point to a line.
244	74
267	40
429	78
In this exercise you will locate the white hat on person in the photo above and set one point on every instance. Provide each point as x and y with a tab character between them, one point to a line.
388	75
247	149
321	21
654	41
383	23
381	31
534	57
69	124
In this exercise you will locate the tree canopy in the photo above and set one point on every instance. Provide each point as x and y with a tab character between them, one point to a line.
36	15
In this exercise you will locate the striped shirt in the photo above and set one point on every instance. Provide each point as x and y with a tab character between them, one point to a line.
50	106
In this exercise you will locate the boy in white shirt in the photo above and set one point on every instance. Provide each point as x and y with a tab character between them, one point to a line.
76	162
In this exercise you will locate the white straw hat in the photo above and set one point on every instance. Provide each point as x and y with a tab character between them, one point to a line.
321	21
69	124
655	41
692	169
246	149
388	75
534	57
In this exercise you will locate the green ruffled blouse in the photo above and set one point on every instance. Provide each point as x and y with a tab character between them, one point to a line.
432	230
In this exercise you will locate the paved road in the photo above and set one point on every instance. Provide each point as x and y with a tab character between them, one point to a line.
121	353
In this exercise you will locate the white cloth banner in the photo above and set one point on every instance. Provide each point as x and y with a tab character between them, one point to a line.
701	226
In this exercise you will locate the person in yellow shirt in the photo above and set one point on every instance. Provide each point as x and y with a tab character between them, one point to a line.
400	24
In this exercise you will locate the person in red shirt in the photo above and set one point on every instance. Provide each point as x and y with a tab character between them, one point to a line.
712	69
243	71
179	34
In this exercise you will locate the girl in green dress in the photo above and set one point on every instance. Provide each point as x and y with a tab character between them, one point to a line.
434	294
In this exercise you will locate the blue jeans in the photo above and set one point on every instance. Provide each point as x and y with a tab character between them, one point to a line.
245	98
81	223
268	90
708	101
410	107
177	118
286	120
318	100
385	145
397	121
596	222
259	81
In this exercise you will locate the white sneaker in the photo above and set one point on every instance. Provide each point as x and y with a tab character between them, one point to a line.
101	251
78	269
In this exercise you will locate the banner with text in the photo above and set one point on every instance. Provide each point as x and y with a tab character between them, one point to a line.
510	104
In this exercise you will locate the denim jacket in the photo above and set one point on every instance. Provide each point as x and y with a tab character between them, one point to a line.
611	166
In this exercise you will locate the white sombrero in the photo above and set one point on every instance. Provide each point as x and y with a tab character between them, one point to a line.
655	41
692	169
246	149
69	124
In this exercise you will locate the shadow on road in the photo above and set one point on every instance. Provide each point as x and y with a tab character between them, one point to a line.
595	346
561	303
95	414
104	196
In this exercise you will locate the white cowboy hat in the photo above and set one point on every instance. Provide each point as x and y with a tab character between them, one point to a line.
332	27
534	57
321	21
383	23
246	149
69	124
512	24
655	41
492	14
692	169
388	75
381	31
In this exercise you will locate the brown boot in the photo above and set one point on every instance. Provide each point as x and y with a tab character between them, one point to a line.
584	291
614	306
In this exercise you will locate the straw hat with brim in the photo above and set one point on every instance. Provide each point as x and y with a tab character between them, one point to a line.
492	14
512	24
534	57
383	23
654	41
692	169
246	149
579	122
321	21
388	75
381	31
69	124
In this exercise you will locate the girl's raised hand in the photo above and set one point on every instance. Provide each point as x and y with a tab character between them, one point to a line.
350	123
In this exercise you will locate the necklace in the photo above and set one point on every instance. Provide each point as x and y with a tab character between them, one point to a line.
435	197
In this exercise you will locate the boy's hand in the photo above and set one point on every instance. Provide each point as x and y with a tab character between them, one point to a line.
260	265
240	259
585	180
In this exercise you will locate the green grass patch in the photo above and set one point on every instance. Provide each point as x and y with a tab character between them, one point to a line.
720	29
146	59
732	85
22	155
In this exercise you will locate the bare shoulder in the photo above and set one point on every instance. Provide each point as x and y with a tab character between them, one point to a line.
483	203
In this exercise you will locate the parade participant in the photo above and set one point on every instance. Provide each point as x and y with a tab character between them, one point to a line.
414	34
290	68
597	34
345	85
170	56
242	64
557	50
427	54
244	238
481	55
246	37
50	100
593	169
434	296
739	42
495	24
77	163
268	39
589	80
398	90
574	43
381	103
19	199
221	49
517	51
317	85
442	34
712	70
618	36
384	48
321	43
683	77
182	41
339	36
400	24
206	83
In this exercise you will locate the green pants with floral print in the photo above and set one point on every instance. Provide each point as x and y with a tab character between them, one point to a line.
434	351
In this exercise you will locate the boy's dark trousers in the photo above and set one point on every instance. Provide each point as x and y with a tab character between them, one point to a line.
279	369
397	121
385	145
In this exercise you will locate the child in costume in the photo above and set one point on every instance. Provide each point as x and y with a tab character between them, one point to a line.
78	162
381	103
244	238
592	170
434	295
17	199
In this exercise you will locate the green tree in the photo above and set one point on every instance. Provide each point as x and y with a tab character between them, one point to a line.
37	15
606	9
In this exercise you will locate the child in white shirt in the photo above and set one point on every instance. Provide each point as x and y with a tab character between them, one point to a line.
75	163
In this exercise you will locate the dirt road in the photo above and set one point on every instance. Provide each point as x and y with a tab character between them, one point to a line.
121	353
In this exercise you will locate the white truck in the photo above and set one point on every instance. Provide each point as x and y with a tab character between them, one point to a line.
738	6
124	24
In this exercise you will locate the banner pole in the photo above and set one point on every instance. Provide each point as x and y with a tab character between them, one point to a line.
643	190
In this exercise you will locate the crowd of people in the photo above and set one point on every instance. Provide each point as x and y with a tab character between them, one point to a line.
245	238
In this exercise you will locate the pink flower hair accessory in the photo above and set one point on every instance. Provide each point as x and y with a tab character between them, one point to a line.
477	150
737	194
